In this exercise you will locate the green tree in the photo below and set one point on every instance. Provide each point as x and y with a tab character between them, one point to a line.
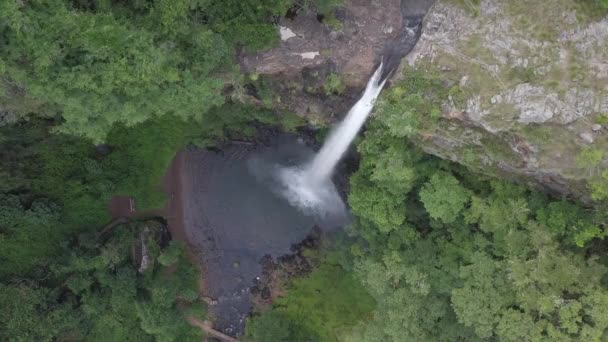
172	254
474	259
33	313
484	296
28	233
97	65
318	307
443	197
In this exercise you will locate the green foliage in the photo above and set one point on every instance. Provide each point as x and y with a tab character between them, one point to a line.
141	155
172	254
100	64
474	259
334	85
590	158
602	119
599	187
24	315
65	169
196	309
245	22
443	197
413	103
276	326
482	312
27	233
566	219
379	188
94	293
324	7
377	205
318	307
594	9
290	122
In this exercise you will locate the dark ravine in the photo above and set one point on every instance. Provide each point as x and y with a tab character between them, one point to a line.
413	12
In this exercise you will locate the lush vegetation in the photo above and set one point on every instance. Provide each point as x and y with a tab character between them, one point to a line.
450	254
96	64
145	78
104	94
321	306
97	291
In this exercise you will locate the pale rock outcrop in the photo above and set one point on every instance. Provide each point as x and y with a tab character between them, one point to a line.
536	77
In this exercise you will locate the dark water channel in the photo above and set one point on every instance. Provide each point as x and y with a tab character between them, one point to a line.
233	219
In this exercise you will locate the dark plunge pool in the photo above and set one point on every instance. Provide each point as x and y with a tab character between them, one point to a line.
233	218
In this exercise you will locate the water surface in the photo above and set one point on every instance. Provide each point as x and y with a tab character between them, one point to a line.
233	217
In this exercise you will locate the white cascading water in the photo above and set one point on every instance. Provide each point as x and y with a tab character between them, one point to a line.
309	187
336	145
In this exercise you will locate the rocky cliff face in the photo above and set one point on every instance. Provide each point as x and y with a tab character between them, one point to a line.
532	80
350	42
322	64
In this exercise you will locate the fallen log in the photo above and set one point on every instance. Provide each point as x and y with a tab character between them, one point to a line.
206	327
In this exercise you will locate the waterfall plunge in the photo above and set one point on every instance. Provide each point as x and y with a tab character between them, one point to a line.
309	186
336	145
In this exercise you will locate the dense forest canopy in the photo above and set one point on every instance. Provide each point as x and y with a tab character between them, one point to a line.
463	257
145	77
102	94
98	293
452	255
98	63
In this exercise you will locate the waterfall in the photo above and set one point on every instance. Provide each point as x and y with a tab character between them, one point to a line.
322	166
309	187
